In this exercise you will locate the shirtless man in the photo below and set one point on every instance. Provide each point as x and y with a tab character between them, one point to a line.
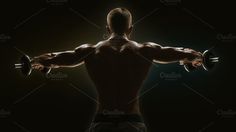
118	66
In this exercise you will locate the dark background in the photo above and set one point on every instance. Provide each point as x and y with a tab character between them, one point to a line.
171	98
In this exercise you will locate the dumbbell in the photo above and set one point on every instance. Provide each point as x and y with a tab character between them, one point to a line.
26	68
209	61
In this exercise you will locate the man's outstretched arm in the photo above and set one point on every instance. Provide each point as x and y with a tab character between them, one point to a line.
62	59
173	54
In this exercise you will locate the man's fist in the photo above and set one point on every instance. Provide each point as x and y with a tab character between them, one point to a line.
195	61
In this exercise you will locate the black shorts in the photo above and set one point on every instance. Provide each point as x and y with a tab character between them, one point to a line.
117	123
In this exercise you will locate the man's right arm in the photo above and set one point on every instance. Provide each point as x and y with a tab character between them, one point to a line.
171	54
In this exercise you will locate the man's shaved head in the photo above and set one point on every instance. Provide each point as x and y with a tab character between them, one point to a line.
119	21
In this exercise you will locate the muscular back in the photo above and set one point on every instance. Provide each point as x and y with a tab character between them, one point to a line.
118	69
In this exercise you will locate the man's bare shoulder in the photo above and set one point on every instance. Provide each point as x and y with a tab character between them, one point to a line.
85	47
147	46
102	43
150	45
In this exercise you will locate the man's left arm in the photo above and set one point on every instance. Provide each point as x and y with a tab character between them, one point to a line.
71	58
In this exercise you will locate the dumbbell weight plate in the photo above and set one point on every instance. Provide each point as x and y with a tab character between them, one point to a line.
189	67
26	65
208	64
46	70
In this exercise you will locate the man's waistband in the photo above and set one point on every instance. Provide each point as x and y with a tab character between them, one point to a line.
118	118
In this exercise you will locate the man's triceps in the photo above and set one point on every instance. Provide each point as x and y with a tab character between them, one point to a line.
169	54
64	59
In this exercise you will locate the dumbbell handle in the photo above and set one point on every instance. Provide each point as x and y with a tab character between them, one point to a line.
214	59
18	66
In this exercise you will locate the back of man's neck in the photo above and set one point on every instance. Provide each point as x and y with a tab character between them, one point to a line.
118	36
